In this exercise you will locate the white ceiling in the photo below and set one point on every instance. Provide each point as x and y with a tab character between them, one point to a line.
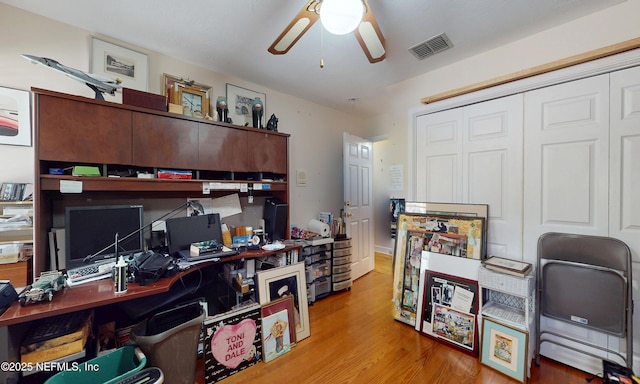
232	37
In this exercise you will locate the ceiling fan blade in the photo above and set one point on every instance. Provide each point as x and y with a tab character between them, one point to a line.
298	26
370	37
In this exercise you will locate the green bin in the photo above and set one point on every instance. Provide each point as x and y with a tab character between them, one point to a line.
106	369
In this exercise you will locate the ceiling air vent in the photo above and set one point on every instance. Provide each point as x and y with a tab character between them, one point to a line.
430	47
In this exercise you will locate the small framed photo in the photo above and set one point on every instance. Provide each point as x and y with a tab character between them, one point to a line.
289	280
15	117
504	349
240	102
114	61
278	328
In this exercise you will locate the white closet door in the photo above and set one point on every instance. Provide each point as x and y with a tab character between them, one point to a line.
624	214
566	182
492	169
566	152
624	208
438	157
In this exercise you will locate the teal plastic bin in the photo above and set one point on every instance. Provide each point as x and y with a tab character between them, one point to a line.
106	369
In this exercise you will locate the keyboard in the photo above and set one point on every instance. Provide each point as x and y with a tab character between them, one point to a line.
90	272
55	326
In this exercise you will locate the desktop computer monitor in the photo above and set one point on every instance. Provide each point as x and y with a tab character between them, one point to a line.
276	215
91	231
182	231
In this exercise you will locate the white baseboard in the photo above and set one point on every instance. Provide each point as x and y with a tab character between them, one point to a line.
382	249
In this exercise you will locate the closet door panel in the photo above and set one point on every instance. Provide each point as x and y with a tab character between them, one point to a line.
625	158
492	169
438	149
566	151
566	177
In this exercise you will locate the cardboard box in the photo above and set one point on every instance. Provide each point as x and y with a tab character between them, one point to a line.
18	273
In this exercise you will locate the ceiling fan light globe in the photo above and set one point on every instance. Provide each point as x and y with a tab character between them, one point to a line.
340	17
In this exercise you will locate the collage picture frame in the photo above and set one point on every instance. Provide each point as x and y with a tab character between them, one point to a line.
455	236
450	311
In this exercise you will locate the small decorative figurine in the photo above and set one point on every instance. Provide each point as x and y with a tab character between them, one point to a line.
222	108
43	288
272	124
257	113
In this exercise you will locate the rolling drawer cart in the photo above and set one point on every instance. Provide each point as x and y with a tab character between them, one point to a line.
341	264
317	260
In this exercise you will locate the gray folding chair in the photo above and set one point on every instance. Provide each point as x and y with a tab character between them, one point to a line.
586	281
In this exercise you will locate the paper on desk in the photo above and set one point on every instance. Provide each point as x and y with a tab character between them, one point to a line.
225	206
462	300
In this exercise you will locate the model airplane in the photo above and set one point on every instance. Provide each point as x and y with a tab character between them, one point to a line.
100	84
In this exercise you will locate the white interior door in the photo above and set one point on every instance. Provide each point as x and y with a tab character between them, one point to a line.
358	209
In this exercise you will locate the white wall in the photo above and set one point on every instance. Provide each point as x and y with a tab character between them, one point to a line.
607	27
316	132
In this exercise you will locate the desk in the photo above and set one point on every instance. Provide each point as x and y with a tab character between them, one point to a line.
14	322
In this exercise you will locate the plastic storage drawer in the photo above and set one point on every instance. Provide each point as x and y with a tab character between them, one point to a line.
341	252
342	276
342	244
342	285
342	260
323	287
341	268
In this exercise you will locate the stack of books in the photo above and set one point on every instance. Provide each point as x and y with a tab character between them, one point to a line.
58	346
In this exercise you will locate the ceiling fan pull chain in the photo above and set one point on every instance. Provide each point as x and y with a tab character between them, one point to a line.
321	47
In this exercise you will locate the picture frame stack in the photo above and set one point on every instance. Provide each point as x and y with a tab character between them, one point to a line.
437	245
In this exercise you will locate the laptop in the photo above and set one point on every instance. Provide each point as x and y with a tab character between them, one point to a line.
182	231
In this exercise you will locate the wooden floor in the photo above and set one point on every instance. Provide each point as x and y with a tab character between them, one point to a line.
354	339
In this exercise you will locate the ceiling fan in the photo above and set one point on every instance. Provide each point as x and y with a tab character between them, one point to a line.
367	31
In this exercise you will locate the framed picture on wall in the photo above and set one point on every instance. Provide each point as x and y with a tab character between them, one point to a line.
15	117
114	61
240	102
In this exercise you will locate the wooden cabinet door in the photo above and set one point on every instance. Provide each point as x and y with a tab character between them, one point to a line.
222	148
78	131
267	152
159	141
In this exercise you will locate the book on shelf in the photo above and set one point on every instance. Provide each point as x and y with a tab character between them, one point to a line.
508	266
16	191
57	347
